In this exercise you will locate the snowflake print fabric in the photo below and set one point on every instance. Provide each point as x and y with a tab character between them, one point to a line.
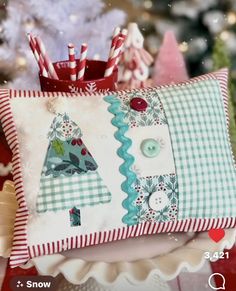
153	115
148	187
63	128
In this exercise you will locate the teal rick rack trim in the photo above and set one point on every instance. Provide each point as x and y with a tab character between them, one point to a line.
127	186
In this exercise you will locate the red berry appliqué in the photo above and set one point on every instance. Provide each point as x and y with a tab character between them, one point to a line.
79	142
74	141
83	152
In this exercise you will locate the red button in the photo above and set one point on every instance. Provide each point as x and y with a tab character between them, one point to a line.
138	104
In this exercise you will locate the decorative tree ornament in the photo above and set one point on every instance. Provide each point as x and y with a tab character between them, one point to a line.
169	65
135	61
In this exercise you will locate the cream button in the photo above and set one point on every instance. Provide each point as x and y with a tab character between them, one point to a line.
158	200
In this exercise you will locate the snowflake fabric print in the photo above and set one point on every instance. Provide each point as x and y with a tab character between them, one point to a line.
63	128
153	115
90	88
157	199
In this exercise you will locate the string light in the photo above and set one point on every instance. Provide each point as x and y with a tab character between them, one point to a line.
224	35
147	4
183	47
21	62
231	18
146	16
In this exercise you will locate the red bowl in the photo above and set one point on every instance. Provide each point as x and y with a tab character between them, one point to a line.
94	80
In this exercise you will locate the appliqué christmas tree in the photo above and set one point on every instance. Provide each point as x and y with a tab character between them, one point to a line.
69	176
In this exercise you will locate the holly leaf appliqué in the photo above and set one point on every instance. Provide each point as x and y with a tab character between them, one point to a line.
58	147
61	167
90	166
74	159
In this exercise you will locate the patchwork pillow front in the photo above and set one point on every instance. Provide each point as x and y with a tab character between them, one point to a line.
100	168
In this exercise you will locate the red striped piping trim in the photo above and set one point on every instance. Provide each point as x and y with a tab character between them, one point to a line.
21	252
220	75
192	224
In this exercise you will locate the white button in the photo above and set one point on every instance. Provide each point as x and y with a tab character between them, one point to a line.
158	200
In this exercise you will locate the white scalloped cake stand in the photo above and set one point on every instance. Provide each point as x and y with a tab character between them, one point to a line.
146	260
134	260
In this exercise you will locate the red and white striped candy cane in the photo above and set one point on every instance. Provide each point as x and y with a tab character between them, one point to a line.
111	63
123	35
41	57
36	54
72	61
82	61
115	37
47	62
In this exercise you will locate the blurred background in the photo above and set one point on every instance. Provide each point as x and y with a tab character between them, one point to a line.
196	24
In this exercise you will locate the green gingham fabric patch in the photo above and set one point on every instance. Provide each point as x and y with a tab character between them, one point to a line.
204	164
65	192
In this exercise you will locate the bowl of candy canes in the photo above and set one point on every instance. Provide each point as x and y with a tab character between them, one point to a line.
78	75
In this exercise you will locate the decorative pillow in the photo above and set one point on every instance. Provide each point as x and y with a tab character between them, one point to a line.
95	169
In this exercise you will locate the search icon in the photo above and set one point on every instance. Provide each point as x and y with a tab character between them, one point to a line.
211	282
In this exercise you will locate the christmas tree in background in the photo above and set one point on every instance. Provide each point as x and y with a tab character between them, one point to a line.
195	23
57	22
169	66
221	60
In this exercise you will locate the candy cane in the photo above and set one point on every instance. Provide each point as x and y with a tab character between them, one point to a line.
72	62
41	57
36	54
47	62
111	63
82	61
115	37
123	35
